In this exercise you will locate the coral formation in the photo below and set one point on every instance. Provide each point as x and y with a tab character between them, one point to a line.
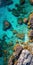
20	21
30	34
15	12
30	21
25	20
18	10
20	36
22	2
6	25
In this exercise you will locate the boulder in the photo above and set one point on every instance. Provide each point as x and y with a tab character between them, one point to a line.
25	58
25	20
17	49
31	35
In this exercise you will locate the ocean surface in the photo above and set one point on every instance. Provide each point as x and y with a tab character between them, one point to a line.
6	15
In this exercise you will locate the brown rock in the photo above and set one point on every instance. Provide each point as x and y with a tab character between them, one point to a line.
20	36
25	20
10	61
31	1
17	49
30	21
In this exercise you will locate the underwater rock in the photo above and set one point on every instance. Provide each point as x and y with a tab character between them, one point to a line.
25	20
14	32
1	52
17	5
25	58
6	25
10	44
5	2
31	1
20	21
20	36
31	35
21	9
22	2
15	12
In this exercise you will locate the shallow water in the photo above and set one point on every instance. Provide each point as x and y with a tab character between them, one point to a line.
6	15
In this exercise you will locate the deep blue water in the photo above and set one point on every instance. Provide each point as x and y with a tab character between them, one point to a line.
5	14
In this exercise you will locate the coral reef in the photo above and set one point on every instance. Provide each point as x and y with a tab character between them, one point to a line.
20	21
25	20
6	25
14	32
19	10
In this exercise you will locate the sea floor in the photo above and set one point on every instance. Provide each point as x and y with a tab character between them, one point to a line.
6	15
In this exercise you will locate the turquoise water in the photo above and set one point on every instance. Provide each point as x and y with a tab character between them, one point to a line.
5	14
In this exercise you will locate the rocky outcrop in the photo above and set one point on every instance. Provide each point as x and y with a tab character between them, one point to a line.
17	51
25	58
30	20
31	1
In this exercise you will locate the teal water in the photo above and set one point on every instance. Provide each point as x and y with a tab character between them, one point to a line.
5	14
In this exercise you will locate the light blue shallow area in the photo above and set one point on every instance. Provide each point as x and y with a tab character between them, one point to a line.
5	14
